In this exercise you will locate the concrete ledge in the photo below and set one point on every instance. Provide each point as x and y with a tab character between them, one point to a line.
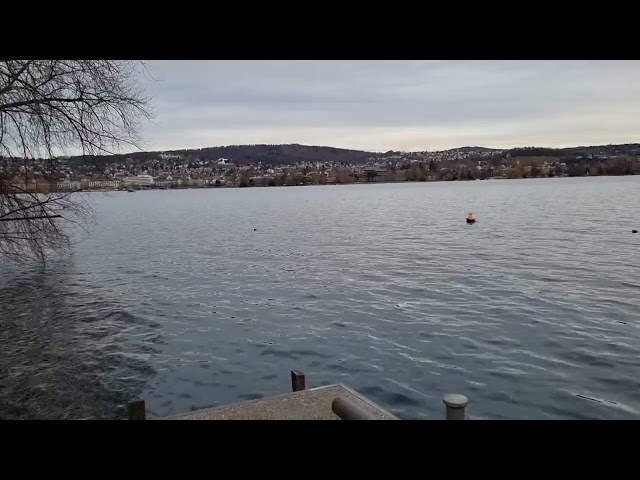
312	404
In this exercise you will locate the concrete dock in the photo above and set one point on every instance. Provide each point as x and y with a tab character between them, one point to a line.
312	404
331	402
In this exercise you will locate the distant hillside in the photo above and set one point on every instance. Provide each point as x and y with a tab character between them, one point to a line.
596	150
472	149
604	150
244	154
293	153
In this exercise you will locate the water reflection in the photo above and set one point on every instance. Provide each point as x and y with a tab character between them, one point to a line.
66	352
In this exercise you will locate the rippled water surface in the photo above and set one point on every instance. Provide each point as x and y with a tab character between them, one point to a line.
197	298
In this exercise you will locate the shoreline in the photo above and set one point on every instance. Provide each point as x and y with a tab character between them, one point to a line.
221	187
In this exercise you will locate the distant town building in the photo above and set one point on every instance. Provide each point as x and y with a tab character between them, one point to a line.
141	180
69	185
104	183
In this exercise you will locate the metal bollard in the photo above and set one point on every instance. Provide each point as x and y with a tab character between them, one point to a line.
456	405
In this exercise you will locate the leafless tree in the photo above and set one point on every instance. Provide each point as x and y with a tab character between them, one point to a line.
51	108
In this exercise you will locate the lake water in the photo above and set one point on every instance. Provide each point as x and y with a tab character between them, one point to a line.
197	298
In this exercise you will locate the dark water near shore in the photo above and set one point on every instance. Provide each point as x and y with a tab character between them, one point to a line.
533	312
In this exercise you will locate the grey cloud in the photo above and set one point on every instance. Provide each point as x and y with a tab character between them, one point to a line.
407	103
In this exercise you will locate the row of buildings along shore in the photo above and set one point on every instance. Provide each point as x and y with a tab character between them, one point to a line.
225	172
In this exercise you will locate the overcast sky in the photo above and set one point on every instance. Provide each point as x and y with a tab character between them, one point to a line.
394	105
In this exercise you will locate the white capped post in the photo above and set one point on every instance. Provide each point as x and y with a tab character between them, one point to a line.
456	405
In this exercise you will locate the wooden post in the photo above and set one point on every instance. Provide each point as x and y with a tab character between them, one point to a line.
297	381
455	405
137	410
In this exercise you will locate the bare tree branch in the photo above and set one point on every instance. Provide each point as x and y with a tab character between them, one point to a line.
22	219
50	108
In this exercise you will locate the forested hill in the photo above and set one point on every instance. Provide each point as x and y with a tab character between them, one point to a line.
293	153
632	149
267	154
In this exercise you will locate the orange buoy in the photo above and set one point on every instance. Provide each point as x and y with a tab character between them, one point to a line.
471	218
